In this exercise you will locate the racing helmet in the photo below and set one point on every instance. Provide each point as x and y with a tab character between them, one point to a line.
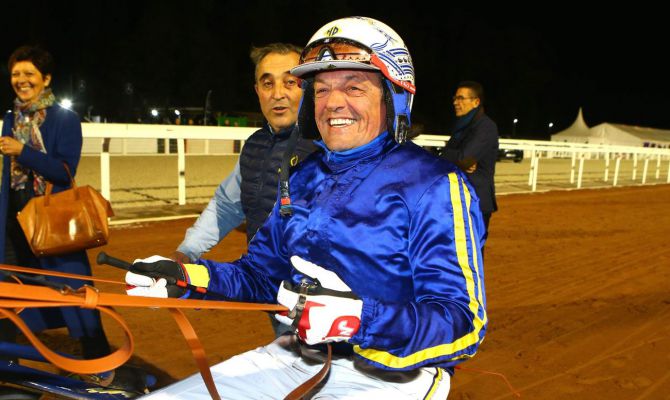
360	43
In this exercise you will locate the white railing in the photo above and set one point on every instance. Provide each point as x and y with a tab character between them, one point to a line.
537	149
107	132
114	139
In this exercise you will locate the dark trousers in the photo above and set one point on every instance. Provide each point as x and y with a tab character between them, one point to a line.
487	218
18	252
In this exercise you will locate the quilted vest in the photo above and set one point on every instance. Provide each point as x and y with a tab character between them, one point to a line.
260	162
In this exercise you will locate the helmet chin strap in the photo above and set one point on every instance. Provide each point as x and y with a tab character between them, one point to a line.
398	108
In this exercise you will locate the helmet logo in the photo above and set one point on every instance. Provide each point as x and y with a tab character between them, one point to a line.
332	31
325	54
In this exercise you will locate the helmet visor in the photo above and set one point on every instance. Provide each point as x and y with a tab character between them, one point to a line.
332	53
339	49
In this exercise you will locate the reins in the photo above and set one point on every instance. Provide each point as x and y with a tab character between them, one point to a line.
15	296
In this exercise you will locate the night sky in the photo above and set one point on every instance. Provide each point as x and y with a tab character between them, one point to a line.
538	64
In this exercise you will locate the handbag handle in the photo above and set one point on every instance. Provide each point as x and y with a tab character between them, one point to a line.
50	185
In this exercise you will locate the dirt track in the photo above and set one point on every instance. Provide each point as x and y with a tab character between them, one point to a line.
577	285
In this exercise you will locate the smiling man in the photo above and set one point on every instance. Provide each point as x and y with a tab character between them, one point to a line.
349	110
380	254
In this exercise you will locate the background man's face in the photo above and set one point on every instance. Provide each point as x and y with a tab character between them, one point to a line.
278	91
349	110
464	101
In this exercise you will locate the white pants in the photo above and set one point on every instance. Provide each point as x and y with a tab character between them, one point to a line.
273	371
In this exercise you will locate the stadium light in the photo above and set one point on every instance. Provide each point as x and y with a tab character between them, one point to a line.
154	112
66	103
177	112
551	125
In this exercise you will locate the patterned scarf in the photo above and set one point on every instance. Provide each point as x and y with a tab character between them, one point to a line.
28	117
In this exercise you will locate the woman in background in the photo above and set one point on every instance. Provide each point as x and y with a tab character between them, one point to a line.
38	137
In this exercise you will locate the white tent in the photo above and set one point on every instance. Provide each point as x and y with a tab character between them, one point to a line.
627	135
613	134
578	132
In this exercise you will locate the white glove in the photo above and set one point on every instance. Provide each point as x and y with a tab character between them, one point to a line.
142	285
329	315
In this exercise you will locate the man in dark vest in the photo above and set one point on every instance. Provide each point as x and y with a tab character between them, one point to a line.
250	192
473	145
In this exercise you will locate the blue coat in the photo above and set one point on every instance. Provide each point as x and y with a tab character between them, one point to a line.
400	227
61	133
479	142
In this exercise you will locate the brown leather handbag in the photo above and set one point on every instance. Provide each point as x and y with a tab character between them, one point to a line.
72	220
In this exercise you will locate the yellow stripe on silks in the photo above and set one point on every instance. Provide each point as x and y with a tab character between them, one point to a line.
436	383
462	253
460	240
198	275
475	254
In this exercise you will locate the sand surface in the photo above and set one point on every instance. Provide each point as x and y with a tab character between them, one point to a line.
578	288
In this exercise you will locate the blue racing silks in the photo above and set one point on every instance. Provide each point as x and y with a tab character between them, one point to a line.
399	226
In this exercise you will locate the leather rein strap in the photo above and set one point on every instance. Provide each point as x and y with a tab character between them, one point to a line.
300	392
17	296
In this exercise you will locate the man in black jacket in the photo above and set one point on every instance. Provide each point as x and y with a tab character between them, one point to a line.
473	145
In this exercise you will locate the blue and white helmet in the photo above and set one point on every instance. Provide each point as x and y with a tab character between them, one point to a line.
368	44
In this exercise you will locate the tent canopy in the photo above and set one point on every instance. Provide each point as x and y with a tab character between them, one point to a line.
613	134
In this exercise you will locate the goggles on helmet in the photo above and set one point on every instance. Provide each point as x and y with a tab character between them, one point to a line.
338	49
347	54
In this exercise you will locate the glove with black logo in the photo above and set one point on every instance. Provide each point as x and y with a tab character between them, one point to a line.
158	276
322	308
